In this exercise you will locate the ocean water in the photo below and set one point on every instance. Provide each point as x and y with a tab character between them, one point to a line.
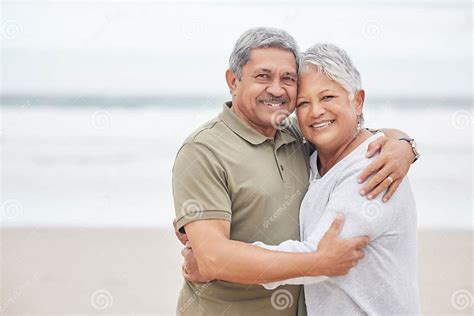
109	166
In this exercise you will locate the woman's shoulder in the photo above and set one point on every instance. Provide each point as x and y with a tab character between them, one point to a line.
357	160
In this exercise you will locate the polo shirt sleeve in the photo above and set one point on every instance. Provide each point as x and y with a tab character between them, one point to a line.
200	188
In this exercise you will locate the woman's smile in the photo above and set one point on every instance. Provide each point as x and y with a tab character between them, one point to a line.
321	125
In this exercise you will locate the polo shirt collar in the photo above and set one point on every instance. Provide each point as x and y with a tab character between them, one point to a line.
241	128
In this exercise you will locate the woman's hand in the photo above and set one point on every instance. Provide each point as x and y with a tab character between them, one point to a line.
396	157
190	268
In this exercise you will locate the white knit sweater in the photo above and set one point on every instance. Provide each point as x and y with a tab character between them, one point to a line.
385	281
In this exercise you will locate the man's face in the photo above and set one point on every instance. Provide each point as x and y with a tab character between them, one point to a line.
266	93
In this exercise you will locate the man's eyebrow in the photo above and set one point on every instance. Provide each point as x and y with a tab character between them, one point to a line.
291	73
263	70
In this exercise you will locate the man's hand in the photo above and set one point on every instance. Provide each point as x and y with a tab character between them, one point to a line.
183	238
337	256
190	268
396	157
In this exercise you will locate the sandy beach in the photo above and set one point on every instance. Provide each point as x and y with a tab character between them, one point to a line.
137	271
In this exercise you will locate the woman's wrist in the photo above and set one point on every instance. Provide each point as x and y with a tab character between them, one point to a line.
313	264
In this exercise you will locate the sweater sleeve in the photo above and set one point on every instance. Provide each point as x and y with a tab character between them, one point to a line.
291	246
362	218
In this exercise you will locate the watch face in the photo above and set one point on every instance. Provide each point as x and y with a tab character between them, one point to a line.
415	149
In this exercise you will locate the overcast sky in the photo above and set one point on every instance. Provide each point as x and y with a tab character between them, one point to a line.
144	47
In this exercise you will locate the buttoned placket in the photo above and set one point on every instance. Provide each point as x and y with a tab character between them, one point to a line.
275	155
277	145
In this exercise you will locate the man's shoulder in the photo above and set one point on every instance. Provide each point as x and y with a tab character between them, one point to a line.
199	145
207	132
209	139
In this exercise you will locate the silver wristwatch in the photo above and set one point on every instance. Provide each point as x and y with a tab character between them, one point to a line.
412	143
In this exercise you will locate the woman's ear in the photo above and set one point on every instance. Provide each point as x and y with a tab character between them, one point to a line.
359	101
231	79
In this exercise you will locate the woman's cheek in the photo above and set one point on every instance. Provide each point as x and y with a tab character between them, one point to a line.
299	115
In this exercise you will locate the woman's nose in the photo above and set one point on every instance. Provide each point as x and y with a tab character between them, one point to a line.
316	109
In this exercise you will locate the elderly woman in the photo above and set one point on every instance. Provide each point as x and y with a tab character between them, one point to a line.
329	110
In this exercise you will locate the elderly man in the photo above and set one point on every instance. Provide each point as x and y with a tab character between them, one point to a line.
241	177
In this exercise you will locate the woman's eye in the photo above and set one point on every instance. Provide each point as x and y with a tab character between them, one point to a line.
303	103
327	98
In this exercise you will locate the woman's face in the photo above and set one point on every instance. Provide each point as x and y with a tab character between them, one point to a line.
326	114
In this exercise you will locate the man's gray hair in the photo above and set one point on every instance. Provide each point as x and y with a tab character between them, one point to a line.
335	64
260	37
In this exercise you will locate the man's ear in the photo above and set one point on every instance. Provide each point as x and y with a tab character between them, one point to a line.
359	101
231	79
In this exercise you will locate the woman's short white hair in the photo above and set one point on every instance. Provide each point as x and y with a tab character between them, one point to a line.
335	64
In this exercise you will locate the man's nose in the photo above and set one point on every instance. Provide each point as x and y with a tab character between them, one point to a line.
275	88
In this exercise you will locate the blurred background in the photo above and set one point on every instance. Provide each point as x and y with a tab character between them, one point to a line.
97	96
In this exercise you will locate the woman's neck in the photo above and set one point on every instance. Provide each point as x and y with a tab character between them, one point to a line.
330	157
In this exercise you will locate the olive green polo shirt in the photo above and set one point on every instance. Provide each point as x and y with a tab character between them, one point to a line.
227	170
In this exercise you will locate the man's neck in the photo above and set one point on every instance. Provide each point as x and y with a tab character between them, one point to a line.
268	132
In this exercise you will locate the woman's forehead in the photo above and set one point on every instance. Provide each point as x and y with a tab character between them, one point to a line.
317	80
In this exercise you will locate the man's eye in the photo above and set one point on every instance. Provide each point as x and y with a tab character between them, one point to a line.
263	76
289	79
